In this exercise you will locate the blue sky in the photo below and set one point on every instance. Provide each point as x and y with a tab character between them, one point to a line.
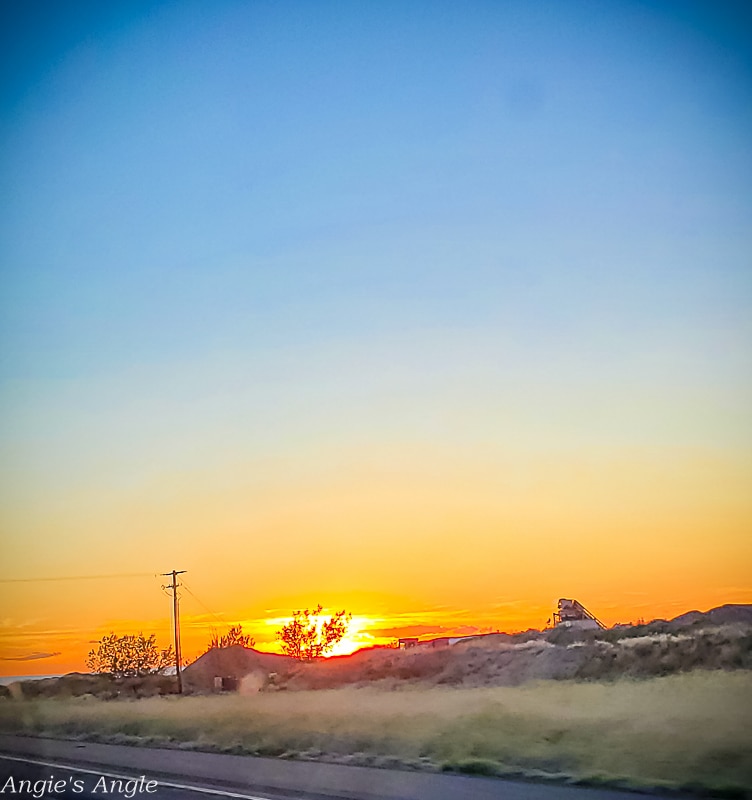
195	176
250	237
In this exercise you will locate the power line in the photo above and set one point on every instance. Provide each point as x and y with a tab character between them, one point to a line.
204	606
79	577
176	621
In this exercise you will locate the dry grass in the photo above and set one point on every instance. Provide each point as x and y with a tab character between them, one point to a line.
681	730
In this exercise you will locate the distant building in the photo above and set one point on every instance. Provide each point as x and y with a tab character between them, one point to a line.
404	644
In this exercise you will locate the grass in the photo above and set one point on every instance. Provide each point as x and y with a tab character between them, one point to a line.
690	730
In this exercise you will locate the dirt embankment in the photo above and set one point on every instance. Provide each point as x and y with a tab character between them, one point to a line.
718	639
554	655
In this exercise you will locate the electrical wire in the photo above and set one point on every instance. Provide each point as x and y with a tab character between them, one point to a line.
78	577
203	605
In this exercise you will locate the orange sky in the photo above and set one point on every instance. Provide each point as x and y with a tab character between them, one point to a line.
429	547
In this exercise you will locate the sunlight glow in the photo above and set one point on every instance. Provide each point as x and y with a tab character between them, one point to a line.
356	638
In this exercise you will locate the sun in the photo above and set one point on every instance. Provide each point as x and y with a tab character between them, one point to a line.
356	638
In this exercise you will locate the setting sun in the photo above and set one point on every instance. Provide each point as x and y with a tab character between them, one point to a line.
355	638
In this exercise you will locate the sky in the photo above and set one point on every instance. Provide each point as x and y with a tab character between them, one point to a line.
432	311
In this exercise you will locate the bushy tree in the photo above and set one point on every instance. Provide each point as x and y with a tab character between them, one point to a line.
307	637
233	636
129	656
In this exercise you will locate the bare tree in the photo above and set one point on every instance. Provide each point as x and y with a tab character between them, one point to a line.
233	636
307	638
129	656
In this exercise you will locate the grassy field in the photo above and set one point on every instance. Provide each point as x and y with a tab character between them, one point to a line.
690	730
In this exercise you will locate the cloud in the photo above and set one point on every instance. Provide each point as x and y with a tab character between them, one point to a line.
406	630
29	657
468	630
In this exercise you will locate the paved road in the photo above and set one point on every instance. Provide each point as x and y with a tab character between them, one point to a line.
75	771
22	778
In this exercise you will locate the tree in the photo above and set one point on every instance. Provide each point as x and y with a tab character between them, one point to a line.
308	637
129	656
233	636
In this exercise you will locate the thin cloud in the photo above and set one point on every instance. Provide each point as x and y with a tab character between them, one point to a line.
407	630
30	657
41	633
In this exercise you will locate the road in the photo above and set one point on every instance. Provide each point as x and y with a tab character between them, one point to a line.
69	770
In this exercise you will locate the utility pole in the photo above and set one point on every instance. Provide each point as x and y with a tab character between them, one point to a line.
176	621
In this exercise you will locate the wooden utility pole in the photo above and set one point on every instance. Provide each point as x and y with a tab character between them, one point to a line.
176	621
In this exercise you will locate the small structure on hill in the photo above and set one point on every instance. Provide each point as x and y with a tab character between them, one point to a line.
225	684
404	644
572	614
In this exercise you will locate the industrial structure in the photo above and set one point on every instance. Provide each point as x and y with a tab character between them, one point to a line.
572	614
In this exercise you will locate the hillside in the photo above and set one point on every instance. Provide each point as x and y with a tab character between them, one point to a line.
717	639
721	615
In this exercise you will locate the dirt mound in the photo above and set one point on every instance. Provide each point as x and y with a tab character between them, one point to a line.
718	639
490	662
232	664
722	615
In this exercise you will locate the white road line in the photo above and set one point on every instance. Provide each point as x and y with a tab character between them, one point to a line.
169	784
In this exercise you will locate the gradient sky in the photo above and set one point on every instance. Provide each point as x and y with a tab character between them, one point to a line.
436	311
